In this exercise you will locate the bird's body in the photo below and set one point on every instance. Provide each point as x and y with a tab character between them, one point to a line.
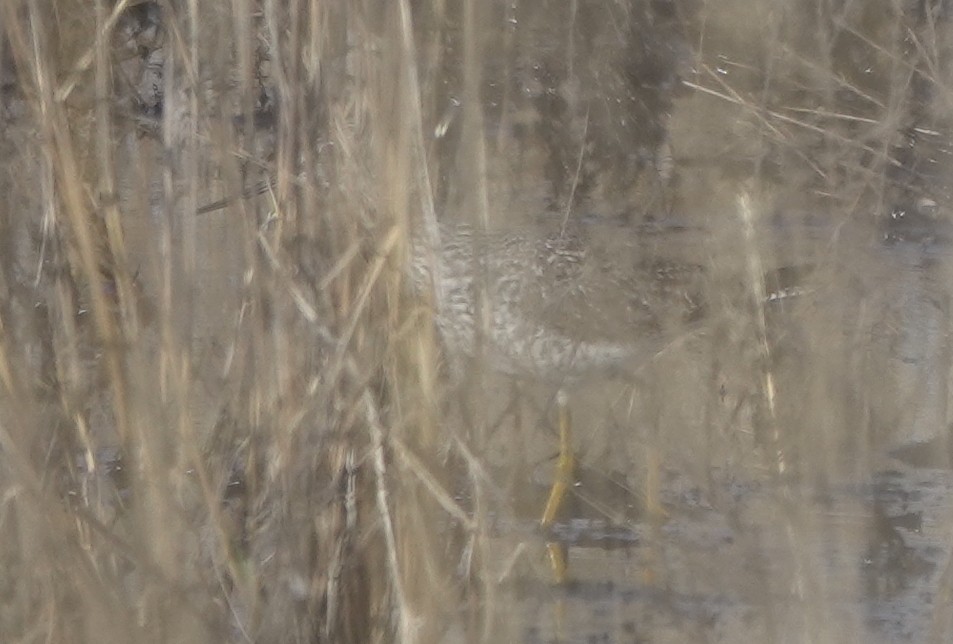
556	306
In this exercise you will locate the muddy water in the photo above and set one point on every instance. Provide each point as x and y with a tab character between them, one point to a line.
851	542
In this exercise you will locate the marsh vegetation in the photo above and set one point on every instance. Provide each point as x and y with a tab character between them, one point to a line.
227	414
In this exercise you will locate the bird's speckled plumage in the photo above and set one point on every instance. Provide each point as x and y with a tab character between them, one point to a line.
556	306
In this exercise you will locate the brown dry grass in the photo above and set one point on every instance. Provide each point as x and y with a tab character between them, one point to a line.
273	388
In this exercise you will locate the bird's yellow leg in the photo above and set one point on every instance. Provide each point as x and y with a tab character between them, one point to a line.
565	473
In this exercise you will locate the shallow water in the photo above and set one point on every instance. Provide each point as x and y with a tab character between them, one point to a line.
796	453
851	545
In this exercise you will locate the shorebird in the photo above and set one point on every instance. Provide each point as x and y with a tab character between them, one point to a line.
557	307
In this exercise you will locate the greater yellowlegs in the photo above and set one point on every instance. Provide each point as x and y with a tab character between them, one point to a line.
556	307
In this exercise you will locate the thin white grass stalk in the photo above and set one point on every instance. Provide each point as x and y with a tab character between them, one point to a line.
336	561
306	309
11	384
60	155
339	266
932	61
474	137
891	55
851	118
475	467
437	491
190	163
48	200
473	110
756	283
409	625
579	160
373	274
506	569
414	120
106	174
761	113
